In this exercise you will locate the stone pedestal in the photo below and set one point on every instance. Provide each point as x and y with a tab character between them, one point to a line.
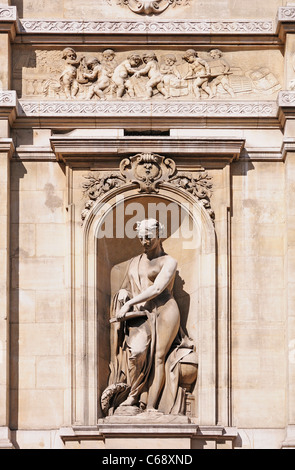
166	432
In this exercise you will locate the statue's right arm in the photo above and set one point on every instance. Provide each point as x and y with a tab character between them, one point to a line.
162	280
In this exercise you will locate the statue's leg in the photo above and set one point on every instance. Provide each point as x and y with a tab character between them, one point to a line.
168	322
138	342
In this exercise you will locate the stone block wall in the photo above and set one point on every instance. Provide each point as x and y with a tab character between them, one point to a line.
55	338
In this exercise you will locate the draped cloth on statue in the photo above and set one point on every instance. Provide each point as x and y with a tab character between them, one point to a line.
134	349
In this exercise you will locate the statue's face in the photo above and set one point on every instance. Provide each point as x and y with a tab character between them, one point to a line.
190	58
134	61
215	54
148	238
170	61
72	55
108	57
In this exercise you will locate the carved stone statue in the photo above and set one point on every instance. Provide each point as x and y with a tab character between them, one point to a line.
219	71
198	73
152	70
171	76
150	346
122	73
68	78
98	78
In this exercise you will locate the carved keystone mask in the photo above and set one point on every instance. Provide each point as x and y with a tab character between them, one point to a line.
147	170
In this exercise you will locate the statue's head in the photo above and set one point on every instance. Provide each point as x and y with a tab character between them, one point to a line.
215	53
190	55
149	232
69	53
134	59
108	54
92	62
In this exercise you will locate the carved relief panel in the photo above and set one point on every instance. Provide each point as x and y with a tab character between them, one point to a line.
188	75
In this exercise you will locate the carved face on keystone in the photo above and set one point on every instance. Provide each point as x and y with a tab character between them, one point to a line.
148	171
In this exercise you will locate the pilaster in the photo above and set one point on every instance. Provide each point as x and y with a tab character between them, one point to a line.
6	148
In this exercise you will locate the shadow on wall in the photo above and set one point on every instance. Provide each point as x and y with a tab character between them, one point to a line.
19	171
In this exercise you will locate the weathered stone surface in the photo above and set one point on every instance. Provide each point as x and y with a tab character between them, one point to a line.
109	107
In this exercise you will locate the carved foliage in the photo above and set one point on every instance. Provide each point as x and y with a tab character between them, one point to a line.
148	7
148	172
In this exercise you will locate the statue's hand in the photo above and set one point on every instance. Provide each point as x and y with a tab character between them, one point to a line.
123	296
123	310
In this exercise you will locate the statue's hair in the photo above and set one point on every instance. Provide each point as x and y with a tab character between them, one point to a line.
66	51
152	224
190	52
92	60
171	56
216	50
109	51
150	55
132	55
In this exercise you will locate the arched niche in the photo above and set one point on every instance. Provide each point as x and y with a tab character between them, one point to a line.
104	263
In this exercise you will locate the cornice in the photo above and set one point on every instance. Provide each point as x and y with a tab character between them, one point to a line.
9	22
147	108
285	21
73	149
7	146
9	107
266	31
286	106
160	32
178	27
184	31
139	113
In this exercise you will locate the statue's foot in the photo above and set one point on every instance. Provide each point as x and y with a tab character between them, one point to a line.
130	401
153	410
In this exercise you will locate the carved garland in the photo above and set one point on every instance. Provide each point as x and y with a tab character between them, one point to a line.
147	171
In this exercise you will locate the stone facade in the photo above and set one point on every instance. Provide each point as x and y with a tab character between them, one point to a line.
201	94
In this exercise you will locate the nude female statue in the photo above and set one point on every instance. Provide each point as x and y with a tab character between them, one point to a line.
149	318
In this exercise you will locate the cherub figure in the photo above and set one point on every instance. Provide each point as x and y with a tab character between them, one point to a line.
122	72
152	70
98	76
68	78
170	74
198	72
219	70
108	60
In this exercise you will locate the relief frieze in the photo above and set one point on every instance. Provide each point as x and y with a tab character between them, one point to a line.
189	75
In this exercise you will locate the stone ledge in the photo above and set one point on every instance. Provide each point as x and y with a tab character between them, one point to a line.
138	108
285	21
5	438
112	112
9	22
286	106
103	430
237	26
69	149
